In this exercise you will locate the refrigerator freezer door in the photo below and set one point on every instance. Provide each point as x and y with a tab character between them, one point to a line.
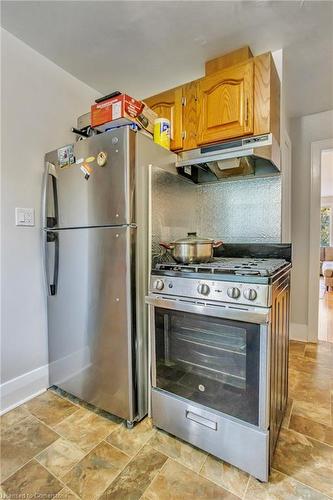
90	315
91	183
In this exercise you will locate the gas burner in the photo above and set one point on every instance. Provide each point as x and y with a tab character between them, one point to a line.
236	266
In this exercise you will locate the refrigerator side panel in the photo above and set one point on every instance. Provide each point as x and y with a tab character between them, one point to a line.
90	316
148	155
94	187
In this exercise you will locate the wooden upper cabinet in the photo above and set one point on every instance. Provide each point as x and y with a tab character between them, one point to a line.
168	105
225	104
230	59
229	102
266	96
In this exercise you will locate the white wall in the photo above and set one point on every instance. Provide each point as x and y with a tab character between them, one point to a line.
326	201
326	180
40	102
304	131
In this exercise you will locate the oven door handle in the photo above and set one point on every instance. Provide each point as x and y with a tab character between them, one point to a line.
257	315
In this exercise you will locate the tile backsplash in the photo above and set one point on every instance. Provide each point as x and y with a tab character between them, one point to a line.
239	211
242	211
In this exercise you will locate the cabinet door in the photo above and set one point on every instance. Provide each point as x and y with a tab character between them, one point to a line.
168	105
225	104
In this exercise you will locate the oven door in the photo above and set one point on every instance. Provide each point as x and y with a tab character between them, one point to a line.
213	355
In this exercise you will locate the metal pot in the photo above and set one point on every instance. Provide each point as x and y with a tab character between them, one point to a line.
192	250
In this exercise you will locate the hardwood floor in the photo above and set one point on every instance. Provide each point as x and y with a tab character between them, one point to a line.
325	330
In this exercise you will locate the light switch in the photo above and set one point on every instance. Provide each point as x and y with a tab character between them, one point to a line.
25	216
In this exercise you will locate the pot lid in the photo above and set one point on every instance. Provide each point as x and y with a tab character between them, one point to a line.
192	238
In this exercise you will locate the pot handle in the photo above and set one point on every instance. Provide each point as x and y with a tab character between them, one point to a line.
166	245
217	244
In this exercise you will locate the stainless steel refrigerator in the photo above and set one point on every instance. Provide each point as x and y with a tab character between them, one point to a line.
95	240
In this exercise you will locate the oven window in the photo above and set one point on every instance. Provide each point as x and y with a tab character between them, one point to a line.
211	361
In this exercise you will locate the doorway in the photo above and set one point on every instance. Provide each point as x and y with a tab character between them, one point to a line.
320	309
325	313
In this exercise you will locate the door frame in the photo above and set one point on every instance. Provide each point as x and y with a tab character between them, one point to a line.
286	153
317	147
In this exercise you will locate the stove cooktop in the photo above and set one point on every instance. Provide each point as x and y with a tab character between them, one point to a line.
229	266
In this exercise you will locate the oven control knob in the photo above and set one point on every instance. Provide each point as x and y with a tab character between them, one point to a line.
203	289
158	285
233	292
250	294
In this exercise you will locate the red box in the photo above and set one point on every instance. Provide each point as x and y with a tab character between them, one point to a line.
123	106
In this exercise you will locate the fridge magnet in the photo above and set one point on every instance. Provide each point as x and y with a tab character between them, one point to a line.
52	170
66	156
87	170
101	159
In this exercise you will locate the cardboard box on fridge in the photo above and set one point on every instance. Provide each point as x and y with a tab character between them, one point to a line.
124	109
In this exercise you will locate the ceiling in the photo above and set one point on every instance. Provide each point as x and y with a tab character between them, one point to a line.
327	173
143	47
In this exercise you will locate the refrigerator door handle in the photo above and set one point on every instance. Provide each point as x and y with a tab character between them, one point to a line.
50	221
52	238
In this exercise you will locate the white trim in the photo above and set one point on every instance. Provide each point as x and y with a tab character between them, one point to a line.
19	403
298	331
286	188
20	389
314	251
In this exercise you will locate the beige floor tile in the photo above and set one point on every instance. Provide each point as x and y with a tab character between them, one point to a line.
319	412
305	387
137	475
84	404
225	475
3	495
321	352
306	460
183	452
309	366
321	432
21	442
60	457
131	440
184	485
93	474
85	429
315	380
50	409
13	417
296	347
320	347
280	487
65	494
32	481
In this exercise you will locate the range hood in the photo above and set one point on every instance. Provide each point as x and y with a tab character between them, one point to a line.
256	156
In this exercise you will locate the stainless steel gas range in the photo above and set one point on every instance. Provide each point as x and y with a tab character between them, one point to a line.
219	347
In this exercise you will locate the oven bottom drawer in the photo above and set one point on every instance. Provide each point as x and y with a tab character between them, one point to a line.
237	444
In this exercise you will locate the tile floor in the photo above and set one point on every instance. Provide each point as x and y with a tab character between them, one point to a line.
325	313
53	447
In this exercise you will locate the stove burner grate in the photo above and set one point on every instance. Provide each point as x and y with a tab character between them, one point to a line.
237	266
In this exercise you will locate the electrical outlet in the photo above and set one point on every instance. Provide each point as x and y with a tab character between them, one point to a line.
25	216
